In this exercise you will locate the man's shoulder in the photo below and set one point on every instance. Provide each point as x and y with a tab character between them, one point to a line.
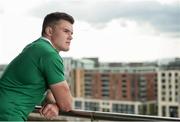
41	42
39	45
44	44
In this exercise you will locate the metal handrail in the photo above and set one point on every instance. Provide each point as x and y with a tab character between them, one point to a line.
96	115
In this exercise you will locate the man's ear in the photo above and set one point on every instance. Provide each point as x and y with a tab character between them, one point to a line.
48	31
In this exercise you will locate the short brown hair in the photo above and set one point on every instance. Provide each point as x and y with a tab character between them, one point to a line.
52	18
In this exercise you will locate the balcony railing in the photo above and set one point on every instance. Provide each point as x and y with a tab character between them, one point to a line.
96	115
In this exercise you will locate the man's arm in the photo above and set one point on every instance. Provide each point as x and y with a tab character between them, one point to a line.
58	98
62	95
49	97
49	109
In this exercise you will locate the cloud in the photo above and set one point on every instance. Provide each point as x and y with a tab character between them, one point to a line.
163	17
1	10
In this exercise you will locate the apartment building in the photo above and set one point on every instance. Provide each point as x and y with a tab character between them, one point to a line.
119	85
143	83
169	93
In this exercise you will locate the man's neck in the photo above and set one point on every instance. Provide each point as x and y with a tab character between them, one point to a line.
45	38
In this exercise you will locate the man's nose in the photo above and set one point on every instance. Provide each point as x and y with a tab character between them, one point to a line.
70	37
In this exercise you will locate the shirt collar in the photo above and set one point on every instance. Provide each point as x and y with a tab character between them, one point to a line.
42	37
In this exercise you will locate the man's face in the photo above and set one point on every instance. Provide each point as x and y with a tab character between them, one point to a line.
62	35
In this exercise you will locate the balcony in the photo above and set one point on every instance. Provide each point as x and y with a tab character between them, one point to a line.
81	115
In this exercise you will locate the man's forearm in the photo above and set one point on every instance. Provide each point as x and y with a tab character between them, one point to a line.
49	97
49	107
62	95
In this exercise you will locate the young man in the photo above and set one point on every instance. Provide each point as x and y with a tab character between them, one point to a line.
37	68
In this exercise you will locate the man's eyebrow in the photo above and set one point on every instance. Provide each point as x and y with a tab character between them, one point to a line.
67	29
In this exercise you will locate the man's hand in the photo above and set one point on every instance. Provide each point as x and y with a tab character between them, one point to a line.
49	111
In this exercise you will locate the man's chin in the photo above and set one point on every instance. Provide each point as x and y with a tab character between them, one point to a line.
65	50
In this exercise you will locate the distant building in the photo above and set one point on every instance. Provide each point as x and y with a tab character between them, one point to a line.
133	82
169	93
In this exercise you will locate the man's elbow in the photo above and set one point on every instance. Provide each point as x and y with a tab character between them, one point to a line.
63	96
67	106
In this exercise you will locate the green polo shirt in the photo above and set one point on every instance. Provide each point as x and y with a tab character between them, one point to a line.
26	79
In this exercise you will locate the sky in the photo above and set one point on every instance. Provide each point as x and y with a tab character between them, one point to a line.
112	30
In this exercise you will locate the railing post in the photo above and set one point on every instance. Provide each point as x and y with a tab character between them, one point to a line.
92	117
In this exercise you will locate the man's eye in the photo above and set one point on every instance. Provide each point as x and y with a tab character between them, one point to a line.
66	31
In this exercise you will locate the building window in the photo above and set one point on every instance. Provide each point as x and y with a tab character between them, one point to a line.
163	80
78	104
170	74
116	108
176	81
105	109
122	108
163	74
170	99
105	103
176	93
124	91
170	93
124	85
163	86
164	111
123	75
124	95
123	81
93	106
163	93
173	111
163	98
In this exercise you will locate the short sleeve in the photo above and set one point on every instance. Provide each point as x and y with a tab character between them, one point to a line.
52	68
